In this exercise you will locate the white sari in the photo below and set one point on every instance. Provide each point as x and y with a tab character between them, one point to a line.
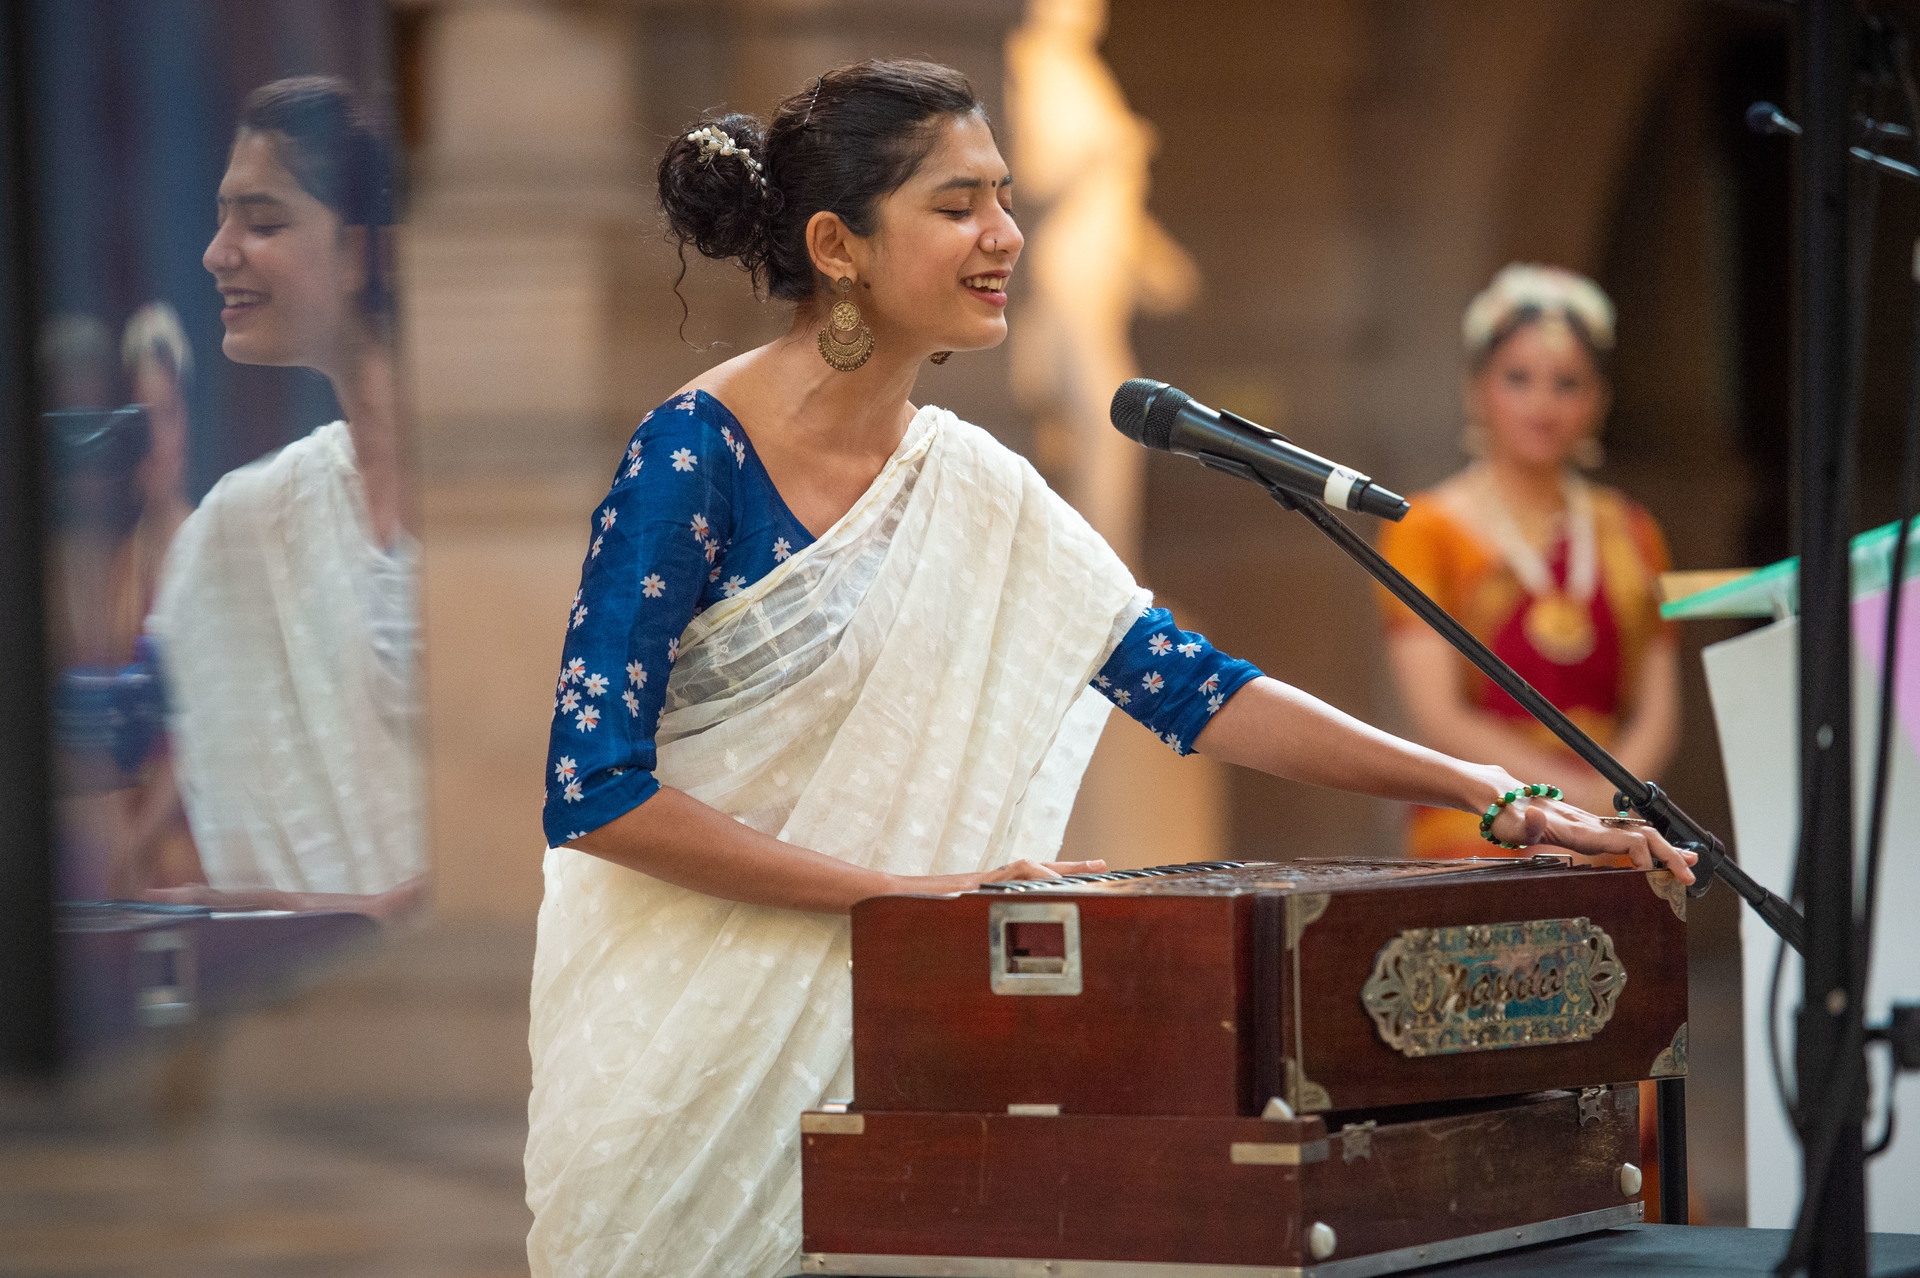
290	642
909	693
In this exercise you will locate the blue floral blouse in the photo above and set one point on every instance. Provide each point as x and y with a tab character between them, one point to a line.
693	518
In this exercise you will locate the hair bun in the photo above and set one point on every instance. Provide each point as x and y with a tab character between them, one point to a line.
714	189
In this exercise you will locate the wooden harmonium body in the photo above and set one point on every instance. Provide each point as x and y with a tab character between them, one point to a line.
1333	984
1312	1069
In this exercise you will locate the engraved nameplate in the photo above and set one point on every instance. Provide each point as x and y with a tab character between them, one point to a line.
1437	990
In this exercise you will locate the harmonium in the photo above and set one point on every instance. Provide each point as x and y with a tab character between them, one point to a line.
1326	1068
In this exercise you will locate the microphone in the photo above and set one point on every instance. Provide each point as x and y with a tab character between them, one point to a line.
1159	416
1765	117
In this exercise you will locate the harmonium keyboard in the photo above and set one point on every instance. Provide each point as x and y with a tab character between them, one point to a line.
1327	1068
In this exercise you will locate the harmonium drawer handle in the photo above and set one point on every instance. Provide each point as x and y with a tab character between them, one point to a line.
815	1123
1246	1153
1033	947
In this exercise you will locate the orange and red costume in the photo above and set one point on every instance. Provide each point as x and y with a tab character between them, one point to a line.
1439	546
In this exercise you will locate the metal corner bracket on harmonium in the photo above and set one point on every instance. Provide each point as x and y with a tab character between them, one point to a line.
1314	1068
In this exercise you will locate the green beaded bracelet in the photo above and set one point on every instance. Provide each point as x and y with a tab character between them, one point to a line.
1524	792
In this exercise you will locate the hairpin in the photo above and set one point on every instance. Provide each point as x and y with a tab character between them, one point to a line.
813	101
715	141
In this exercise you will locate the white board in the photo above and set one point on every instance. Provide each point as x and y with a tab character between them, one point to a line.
1754	684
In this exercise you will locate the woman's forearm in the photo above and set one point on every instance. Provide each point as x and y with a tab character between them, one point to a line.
1278	729
1281	730
676	838
1426	672
1475	734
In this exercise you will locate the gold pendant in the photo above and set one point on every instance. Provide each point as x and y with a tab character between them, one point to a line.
1560	627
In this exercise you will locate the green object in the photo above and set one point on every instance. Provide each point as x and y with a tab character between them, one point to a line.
1511	796
1774	591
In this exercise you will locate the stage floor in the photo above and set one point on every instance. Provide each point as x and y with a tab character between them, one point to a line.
1685	1251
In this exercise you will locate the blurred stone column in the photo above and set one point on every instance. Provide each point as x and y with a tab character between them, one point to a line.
524	200
1093	259
525	185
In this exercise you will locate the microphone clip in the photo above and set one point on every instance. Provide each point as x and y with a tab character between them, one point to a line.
1240	470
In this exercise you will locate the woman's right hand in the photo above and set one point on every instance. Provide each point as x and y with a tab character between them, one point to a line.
947	884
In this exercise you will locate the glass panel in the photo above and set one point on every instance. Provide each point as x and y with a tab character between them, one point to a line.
232	614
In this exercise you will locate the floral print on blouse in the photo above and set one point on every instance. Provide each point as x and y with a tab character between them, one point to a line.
693	518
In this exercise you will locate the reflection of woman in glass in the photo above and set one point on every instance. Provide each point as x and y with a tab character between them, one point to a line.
1554	573
829	645
287	615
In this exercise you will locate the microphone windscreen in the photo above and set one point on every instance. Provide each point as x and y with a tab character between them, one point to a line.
1145	410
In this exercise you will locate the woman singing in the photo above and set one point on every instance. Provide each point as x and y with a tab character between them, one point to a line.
828	645
1555	574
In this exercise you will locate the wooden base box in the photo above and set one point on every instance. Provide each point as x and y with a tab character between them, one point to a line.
1103	1196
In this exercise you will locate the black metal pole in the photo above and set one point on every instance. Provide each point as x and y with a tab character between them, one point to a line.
1828	1073
29	1022
1649	800
1670	1095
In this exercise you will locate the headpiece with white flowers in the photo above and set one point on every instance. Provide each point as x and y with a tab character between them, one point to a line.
1551	290
715	141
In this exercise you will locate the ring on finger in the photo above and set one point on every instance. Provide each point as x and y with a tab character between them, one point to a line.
1625	823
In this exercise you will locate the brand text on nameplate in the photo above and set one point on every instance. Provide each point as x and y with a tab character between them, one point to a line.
1481	987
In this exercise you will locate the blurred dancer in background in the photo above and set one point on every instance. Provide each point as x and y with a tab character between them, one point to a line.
287	619
1557	575
159	363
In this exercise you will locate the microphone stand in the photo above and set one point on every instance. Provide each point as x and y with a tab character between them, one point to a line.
1644	797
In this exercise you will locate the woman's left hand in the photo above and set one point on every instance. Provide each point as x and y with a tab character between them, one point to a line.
1552	822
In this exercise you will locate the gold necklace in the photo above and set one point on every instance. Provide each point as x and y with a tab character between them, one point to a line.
1559	619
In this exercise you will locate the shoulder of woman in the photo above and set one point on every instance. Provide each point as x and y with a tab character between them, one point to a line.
977	439
222	541
693	434
1432	513
995	467
1607	497
689	414
1612	505
260	486
1621	521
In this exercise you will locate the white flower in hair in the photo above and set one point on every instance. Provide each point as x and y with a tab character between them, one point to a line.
1548	289
713	141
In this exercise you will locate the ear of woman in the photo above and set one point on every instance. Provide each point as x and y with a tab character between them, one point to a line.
836	252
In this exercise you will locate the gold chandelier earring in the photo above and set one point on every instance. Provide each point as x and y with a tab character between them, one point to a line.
846	342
